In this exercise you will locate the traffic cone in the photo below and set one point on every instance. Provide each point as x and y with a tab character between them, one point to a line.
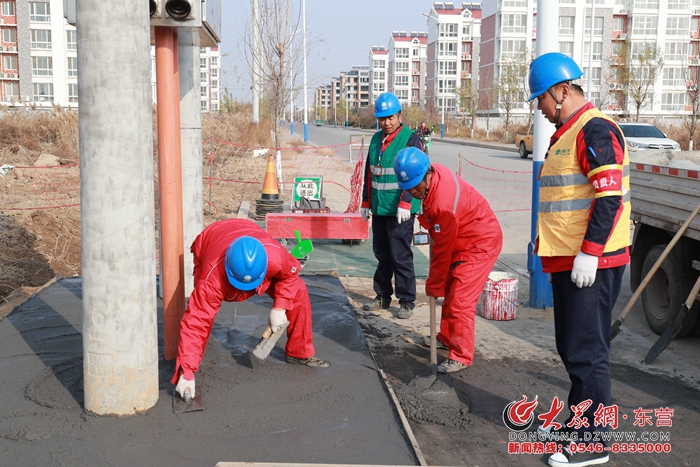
270	200
270	188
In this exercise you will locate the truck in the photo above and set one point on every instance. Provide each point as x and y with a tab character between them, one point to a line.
524	142
662	198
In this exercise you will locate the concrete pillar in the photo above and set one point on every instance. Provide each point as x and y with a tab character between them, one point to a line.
120	339
191	144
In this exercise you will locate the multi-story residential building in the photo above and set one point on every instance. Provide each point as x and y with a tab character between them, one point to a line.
623	30
453	52
322	102
378	67
355	84
39	60
406	68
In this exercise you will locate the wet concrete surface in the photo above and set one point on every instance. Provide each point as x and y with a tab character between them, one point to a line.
255	411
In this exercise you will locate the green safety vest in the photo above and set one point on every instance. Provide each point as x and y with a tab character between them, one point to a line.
386	193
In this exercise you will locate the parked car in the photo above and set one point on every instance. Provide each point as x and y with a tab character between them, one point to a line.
641	136
524	142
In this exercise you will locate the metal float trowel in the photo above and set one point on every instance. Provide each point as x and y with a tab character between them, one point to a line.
189	404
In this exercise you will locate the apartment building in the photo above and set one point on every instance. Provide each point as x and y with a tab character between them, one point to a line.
622	30
378	66
39	61
322	102
406	69
453	52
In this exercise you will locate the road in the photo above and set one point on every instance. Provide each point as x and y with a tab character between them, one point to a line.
516	225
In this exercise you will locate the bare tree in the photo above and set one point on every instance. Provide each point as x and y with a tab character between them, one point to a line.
280	55
640	72
468	97
512	87
690	121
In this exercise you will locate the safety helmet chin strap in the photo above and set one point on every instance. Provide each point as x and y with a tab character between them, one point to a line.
558	107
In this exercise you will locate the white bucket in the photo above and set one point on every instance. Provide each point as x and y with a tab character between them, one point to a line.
499	299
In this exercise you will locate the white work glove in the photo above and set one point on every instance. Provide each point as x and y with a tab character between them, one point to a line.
365	213
278	317
403	215
185	388
585	267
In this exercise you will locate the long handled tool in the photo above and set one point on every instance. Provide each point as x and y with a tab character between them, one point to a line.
672	331
268	341
616	325
433	336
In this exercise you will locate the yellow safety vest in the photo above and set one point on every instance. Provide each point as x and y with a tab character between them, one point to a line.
566	197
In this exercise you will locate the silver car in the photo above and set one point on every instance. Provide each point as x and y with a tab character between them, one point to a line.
642	136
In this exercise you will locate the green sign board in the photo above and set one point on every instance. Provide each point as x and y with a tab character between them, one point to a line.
307	186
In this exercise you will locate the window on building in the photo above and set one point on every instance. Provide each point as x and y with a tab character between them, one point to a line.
71	40
8	9
416	53
567	2
446	85
618	23
415	79
41	39
595	76
618	49
42	66
595	98
566	25
401	52
642	48
43	92
512	48
215	73
378	87
379	75
567	48
401	94
401	80
415	94
204	106
597	50
40	12
515	3
447	68
673	101
11	89
203	62
214	106
72	66
467	31
203	91
203	78
72	93
378	64
597	26
10	62
215	61
673	77
644	25
677	4
447	30
513	23
401	67
676	51
676	26
447	49
215	83
648	4
9	35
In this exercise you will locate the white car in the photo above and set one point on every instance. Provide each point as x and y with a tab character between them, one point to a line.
642	136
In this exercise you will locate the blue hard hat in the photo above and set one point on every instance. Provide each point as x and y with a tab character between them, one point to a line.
411	165
246	263
550	69
386	105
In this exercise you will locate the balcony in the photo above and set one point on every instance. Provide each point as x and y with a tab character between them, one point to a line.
466	56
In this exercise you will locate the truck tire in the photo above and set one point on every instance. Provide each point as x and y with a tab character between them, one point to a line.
522	150
665	293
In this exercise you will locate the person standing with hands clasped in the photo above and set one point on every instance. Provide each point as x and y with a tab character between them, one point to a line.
393	210
583	237
234	260
467	240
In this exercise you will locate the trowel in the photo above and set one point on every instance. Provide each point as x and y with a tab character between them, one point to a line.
189	404
268	341
303	248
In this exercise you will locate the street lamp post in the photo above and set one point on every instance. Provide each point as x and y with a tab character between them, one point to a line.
306	99
347	103
442	126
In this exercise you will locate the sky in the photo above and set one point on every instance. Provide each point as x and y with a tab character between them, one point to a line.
343	33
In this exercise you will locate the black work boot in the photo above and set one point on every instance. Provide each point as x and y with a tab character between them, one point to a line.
380	301
405	309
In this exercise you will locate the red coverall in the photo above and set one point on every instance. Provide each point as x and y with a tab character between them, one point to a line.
467	240
211	287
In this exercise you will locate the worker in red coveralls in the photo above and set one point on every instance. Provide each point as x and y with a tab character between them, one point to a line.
234	260
467	240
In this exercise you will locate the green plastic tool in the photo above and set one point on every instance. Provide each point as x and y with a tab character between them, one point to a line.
303	248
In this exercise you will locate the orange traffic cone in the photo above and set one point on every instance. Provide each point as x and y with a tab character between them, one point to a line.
270	188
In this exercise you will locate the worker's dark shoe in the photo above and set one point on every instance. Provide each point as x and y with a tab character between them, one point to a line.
566	458
450	366
405	309
550	434
312	361
438	343
380	301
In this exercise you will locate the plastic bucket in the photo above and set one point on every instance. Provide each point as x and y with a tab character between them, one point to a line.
499	299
